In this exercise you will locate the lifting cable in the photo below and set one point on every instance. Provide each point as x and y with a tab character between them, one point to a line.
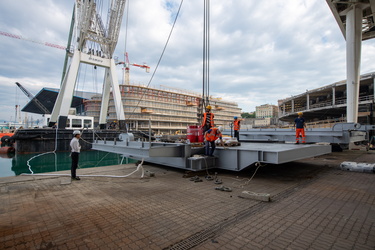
127	4
126	29
161	56
206	54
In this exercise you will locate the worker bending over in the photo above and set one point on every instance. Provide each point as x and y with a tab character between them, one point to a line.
236	128
300	125
208	119
210	137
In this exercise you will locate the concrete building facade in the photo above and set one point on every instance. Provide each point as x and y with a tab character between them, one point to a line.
329	103
266	111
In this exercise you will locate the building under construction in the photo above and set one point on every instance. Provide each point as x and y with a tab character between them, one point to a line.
166	111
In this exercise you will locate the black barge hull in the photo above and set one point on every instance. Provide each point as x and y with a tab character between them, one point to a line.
48	139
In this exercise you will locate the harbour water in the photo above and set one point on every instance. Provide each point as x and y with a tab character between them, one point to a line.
16	164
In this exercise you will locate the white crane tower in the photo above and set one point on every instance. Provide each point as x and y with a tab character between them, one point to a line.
93	44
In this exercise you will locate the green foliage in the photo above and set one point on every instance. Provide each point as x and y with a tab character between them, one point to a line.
248	115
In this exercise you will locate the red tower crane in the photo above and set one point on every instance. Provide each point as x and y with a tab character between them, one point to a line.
126	68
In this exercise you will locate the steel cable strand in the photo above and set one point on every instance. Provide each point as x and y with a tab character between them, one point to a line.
258	164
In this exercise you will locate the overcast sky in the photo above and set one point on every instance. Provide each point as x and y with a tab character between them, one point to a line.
261	51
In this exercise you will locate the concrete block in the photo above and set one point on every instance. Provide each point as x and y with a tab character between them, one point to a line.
255	196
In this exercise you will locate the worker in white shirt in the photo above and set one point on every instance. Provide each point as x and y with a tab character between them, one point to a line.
76	148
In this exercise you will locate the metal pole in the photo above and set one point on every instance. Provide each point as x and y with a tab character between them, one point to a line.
231	129
149	130
353	61
293	106
307	101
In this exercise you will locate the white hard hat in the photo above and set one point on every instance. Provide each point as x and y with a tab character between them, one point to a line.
76	132
220	128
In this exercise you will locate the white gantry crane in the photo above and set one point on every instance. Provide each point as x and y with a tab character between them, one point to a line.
93	43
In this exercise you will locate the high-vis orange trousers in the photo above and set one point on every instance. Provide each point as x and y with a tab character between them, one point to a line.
300	132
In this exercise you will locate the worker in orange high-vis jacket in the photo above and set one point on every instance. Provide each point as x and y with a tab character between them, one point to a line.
208	119
236	128
300	125
210	136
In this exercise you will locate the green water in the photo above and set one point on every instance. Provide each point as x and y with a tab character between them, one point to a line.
16	164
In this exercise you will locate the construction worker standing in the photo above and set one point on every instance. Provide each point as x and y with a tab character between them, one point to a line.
208	119
210	136
236	128
76	148
300	125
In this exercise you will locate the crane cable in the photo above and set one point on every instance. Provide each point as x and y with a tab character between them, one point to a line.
127	6
126	29
206	55
161	56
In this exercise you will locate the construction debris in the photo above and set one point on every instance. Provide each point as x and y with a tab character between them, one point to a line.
255	196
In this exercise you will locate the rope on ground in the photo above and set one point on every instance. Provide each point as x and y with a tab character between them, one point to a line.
258	164
139	167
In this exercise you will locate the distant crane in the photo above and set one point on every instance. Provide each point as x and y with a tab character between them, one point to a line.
32	40
33	99
126	68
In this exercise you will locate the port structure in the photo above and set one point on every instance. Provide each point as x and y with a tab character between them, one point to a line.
356	22
33	99
89	33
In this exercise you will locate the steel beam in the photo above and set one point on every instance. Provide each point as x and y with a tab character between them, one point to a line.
340	133
238	158
185	156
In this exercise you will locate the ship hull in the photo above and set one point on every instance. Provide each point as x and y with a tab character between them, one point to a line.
47	139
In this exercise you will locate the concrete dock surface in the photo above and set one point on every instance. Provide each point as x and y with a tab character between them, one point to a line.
314	205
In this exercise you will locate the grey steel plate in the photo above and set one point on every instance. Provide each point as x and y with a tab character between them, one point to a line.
238	158
231	158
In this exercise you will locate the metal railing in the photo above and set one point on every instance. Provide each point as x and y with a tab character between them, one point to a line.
326	104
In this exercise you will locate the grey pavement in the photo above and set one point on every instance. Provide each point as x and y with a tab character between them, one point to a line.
314	205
